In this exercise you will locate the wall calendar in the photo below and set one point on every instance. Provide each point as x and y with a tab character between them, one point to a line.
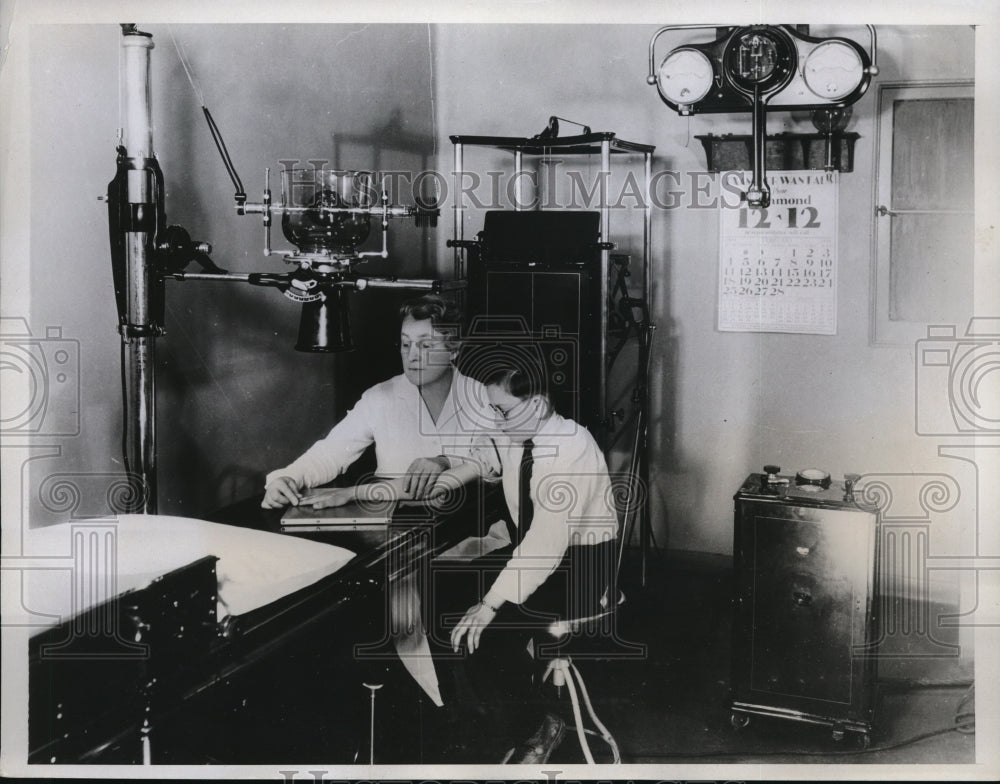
778	266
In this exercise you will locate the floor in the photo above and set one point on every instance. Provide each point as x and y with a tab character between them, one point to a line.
665	707
670	705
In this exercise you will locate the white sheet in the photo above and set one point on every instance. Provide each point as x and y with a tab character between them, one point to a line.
254	567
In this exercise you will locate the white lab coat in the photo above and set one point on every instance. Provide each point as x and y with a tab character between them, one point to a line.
394	417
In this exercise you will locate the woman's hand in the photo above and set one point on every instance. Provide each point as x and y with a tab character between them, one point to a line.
330	496
422	474
476	618
280	492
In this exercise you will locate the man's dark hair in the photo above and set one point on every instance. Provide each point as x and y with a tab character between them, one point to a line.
522	378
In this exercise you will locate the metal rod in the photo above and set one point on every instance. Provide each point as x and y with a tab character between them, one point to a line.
647	236
518	171
139	333
647	340
645	521
458	232
651	78
372	687
882	210
267	210
391	283
760	193
629	515
393	211
873	49
238	277
602	384
419	284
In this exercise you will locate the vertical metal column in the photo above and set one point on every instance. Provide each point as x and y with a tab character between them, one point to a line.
518	173
605	265
647	234
458	230
645	519
139	333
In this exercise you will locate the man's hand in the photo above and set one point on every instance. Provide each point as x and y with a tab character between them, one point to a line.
282	491
476	618
422	474
331	496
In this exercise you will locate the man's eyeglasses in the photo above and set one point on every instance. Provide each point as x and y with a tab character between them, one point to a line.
505	413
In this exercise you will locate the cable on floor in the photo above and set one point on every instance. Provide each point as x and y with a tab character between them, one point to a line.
965	724
965	719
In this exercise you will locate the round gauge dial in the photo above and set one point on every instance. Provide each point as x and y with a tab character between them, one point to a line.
760	59
685	76
833	70
812	478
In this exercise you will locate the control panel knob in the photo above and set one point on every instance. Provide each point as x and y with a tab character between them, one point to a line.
849	481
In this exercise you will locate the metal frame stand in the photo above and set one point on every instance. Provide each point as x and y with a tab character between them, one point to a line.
607	145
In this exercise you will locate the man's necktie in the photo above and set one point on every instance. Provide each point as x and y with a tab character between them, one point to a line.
526	509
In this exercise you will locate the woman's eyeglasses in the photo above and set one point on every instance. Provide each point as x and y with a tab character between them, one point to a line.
424	344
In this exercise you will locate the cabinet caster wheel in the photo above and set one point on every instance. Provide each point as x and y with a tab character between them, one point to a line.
838	735
864	741
738	720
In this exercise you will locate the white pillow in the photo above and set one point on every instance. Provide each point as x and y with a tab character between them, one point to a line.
254	567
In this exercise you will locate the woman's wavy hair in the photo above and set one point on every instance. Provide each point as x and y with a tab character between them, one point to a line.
445	315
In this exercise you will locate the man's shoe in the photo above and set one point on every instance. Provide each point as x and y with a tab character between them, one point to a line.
536	749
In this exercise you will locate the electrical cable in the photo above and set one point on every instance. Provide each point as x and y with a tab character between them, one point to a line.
965	722
579	719
187	69
220	143
799	753
605	733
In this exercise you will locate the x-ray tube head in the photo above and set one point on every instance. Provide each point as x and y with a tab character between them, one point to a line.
325	325
317	216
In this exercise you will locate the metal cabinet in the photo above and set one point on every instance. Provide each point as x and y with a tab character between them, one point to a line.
805	611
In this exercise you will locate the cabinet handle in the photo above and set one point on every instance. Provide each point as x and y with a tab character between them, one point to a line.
801	598
803	551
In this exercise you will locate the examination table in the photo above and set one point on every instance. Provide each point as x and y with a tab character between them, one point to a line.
225	641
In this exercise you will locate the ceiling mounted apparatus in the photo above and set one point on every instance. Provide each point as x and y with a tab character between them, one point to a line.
761	68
